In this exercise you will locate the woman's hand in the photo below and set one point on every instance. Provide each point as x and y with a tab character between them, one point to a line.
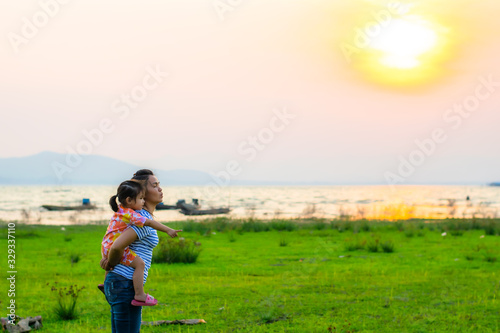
173	233
105	265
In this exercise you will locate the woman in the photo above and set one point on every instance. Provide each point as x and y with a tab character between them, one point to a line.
118	286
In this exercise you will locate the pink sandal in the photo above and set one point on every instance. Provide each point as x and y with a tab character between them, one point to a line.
150	301
101	288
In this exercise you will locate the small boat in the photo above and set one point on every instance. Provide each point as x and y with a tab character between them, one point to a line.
162	206
194	208
182	204
86	205
80	207
213	211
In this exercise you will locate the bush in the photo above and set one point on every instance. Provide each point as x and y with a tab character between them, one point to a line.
283	241
283	225
221	223
74	258
231	237
319	226
372	245
172	251
456	232
490	229
409	232
354	245
489	256
255	226
66	301
365	226
387	246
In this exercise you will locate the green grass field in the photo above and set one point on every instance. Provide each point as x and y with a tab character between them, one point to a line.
321	276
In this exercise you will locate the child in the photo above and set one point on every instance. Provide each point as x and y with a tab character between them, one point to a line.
130	195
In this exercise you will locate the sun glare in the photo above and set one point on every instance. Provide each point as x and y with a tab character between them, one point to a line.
403	42
398	48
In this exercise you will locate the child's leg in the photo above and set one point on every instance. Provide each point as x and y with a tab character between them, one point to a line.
138	278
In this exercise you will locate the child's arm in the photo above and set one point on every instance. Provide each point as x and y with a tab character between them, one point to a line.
160	227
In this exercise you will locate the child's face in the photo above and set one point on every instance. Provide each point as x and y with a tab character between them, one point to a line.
138	203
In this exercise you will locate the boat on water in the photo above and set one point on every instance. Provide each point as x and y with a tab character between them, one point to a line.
86	205
193	208
213	211
162	206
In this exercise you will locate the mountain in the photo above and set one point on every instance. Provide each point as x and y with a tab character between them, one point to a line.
48	168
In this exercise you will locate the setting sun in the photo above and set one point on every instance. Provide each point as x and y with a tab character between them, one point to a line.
403	43
398	47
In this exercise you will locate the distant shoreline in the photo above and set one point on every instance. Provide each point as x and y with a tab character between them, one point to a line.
294	221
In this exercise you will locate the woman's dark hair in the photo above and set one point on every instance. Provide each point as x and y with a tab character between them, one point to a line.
127	189
143	174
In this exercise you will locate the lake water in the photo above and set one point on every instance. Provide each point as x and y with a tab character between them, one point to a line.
22	203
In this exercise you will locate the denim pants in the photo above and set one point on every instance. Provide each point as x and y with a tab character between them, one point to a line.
125	318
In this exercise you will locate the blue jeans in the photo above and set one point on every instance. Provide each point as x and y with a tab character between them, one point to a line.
125	318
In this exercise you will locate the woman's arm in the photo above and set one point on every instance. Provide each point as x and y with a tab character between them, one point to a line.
161	227
116	250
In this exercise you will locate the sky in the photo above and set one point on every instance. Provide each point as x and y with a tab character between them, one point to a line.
347	92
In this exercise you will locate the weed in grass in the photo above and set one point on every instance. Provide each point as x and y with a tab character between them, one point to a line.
490	229
221	223
469	257
271	312
345	328
479	247
74	258
231	237
339	226
283	241
489	256
176	251
373	245
354	244
67	298
27	234
67	239
456	232
399	226
319	226
255	226
387	246
283	225
188	226
365	226
192	226
420	225
409	232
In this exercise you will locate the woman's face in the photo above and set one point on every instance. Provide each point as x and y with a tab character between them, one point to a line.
154	193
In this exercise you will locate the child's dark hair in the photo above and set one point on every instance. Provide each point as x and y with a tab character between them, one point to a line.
127	189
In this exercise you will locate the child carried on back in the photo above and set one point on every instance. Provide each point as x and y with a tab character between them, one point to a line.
130	195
